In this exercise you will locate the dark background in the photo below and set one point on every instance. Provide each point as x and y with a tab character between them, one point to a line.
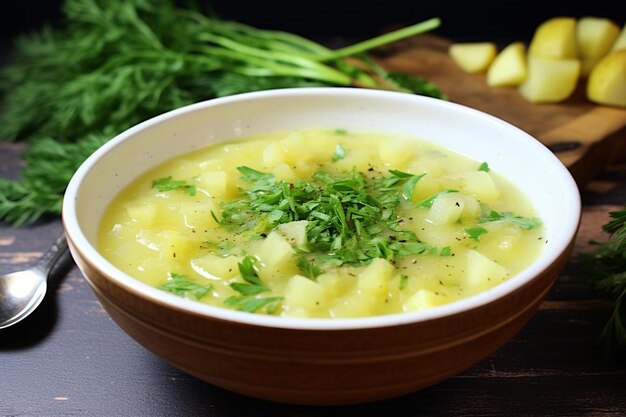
467	20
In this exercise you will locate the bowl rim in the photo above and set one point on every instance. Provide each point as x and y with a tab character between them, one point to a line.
81	244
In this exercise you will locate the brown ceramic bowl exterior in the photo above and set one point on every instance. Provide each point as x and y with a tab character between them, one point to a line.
319	367
306	361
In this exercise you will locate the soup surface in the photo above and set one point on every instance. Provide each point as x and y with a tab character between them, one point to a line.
322	223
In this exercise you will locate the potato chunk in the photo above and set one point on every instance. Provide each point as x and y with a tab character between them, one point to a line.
482	272
421	300
212	266
275	251
295	233
509	67
595	37
375	277
473	57
607	81
550	80
555	38
303	293
446	209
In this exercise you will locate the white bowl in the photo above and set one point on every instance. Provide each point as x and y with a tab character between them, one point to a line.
322	361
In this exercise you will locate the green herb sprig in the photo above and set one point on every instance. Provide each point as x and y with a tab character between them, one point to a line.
169	184
350	219
605	267
114	63
182	286
249	289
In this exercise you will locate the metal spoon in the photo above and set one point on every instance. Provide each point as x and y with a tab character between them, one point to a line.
22	291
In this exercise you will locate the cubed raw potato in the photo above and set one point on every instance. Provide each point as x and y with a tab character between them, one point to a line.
473	57
550	80
295	233
620	42
595	37
555	38
275	251
421	300
143	213
374	279
446	209
304	293
197	214
479	184
607	80
214	183
173	244
482	272
213	266
509	67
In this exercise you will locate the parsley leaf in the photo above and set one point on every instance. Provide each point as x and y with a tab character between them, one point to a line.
351	219
404	282
526	223
182	286
339	154
309	268
428	201
484	167
252	305
168	184
253	284
475	232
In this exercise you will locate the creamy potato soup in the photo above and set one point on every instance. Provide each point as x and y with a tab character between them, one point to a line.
322	223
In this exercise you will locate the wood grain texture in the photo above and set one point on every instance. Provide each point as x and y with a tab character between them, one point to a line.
69	358
586	137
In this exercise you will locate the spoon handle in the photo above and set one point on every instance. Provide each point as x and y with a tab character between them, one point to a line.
45	264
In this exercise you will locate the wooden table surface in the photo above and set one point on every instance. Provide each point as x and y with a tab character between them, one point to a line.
69	358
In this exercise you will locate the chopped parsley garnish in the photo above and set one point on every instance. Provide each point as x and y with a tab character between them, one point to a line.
484	167
252	305
351	219
445	251
340	153
252	286
309	268
475	232
404	282
182	286
428	201
168	184
526	223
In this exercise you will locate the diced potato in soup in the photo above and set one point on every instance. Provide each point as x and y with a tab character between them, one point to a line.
322	224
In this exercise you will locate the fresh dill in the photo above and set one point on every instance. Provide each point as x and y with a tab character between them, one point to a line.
605	267
111	64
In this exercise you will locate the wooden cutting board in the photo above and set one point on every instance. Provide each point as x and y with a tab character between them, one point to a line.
585	136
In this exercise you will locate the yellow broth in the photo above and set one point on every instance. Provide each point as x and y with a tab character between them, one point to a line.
472	222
